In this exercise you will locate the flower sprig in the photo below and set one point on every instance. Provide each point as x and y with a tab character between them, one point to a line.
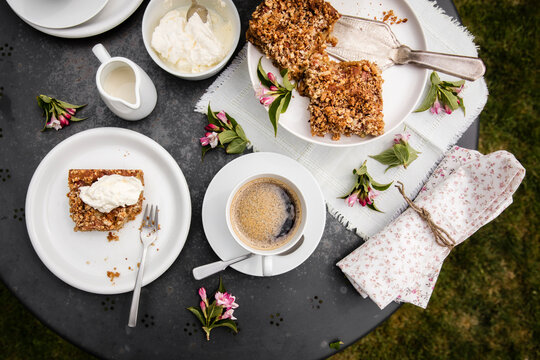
274	95
223	131
401	153
57	113
365	189
443	95
217	314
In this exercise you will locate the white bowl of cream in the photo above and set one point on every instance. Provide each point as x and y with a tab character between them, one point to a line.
190	49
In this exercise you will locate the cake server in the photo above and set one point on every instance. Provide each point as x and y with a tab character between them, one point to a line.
364	39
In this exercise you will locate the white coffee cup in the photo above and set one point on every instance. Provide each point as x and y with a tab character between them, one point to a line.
267	255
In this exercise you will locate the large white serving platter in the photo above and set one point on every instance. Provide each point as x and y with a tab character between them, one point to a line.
403	84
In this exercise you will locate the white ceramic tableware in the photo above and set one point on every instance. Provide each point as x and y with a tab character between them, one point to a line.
124	87
82	259
402	88
112	15
215	202
268	255
157	8
57	14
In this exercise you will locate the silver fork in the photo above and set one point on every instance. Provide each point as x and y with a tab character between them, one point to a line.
148	235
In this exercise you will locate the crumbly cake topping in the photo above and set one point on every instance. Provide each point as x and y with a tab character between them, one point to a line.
346	97
87	218
290	31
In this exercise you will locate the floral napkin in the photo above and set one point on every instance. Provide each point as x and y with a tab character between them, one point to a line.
402	262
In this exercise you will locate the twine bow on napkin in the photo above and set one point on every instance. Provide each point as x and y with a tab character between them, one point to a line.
441	236
402	262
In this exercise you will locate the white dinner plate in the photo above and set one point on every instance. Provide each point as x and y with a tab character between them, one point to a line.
215	200
112	15
82	259
57	14
403	84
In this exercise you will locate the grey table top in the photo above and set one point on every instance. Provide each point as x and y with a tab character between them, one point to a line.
294	315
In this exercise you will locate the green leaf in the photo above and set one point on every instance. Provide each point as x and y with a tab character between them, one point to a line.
198	313
378	186
373	207
221	287
227	136
387	157
240	132
237	146
391	167
413	155
428	100
402	153
45	98
74	118
455	84
212	119
274	111
434	78
286	81
286	102
67	105
461	104
263	77
232	120
449	99
213	311
227	323
335	345
204	150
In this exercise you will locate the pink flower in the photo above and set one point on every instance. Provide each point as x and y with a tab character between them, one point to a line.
71	111
267	100
63	120
226	300
458	90
351	199
223	117
67	115
273	88
271	77
260	91
402	137
436	108
203	306
54	123
227	315
447	109
211	127
210	138
202	294
372	194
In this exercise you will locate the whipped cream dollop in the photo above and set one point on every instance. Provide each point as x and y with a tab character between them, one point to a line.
190	46
111	191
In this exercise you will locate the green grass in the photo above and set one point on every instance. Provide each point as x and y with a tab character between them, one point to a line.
486	302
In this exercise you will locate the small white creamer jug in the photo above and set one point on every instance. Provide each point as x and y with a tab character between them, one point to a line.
124	87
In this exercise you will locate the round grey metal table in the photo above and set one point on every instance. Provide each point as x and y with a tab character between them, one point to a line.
294	315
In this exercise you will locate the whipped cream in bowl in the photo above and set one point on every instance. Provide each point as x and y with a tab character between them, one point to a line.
111	191
190	48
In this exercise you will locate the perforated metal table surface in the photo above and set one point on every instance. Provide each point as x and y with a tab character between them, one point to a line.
291	316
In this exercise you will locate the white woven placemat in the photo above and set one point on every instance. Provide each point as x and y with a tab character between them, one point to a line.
431	134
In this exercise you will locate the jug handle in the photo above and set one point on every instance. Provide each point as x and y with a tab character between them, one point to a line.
101	53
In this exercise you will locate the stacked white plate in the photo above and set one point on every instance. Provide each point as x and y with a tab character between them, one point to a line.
74	18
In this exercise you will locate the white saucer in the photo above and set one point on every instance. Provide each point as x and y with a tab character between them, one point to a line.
215	200
57	14
112	15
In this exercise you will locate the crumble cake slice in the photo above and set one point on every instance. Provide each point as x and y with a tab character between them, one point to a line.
345	97
87	218
290	31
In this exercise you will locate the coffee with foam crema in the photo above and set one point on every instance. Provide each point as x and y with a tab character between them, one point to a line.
265	213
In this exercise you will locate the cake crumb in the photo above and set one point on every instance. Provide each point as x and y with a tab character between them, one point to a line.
113	275
113	236
391	18
87	262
